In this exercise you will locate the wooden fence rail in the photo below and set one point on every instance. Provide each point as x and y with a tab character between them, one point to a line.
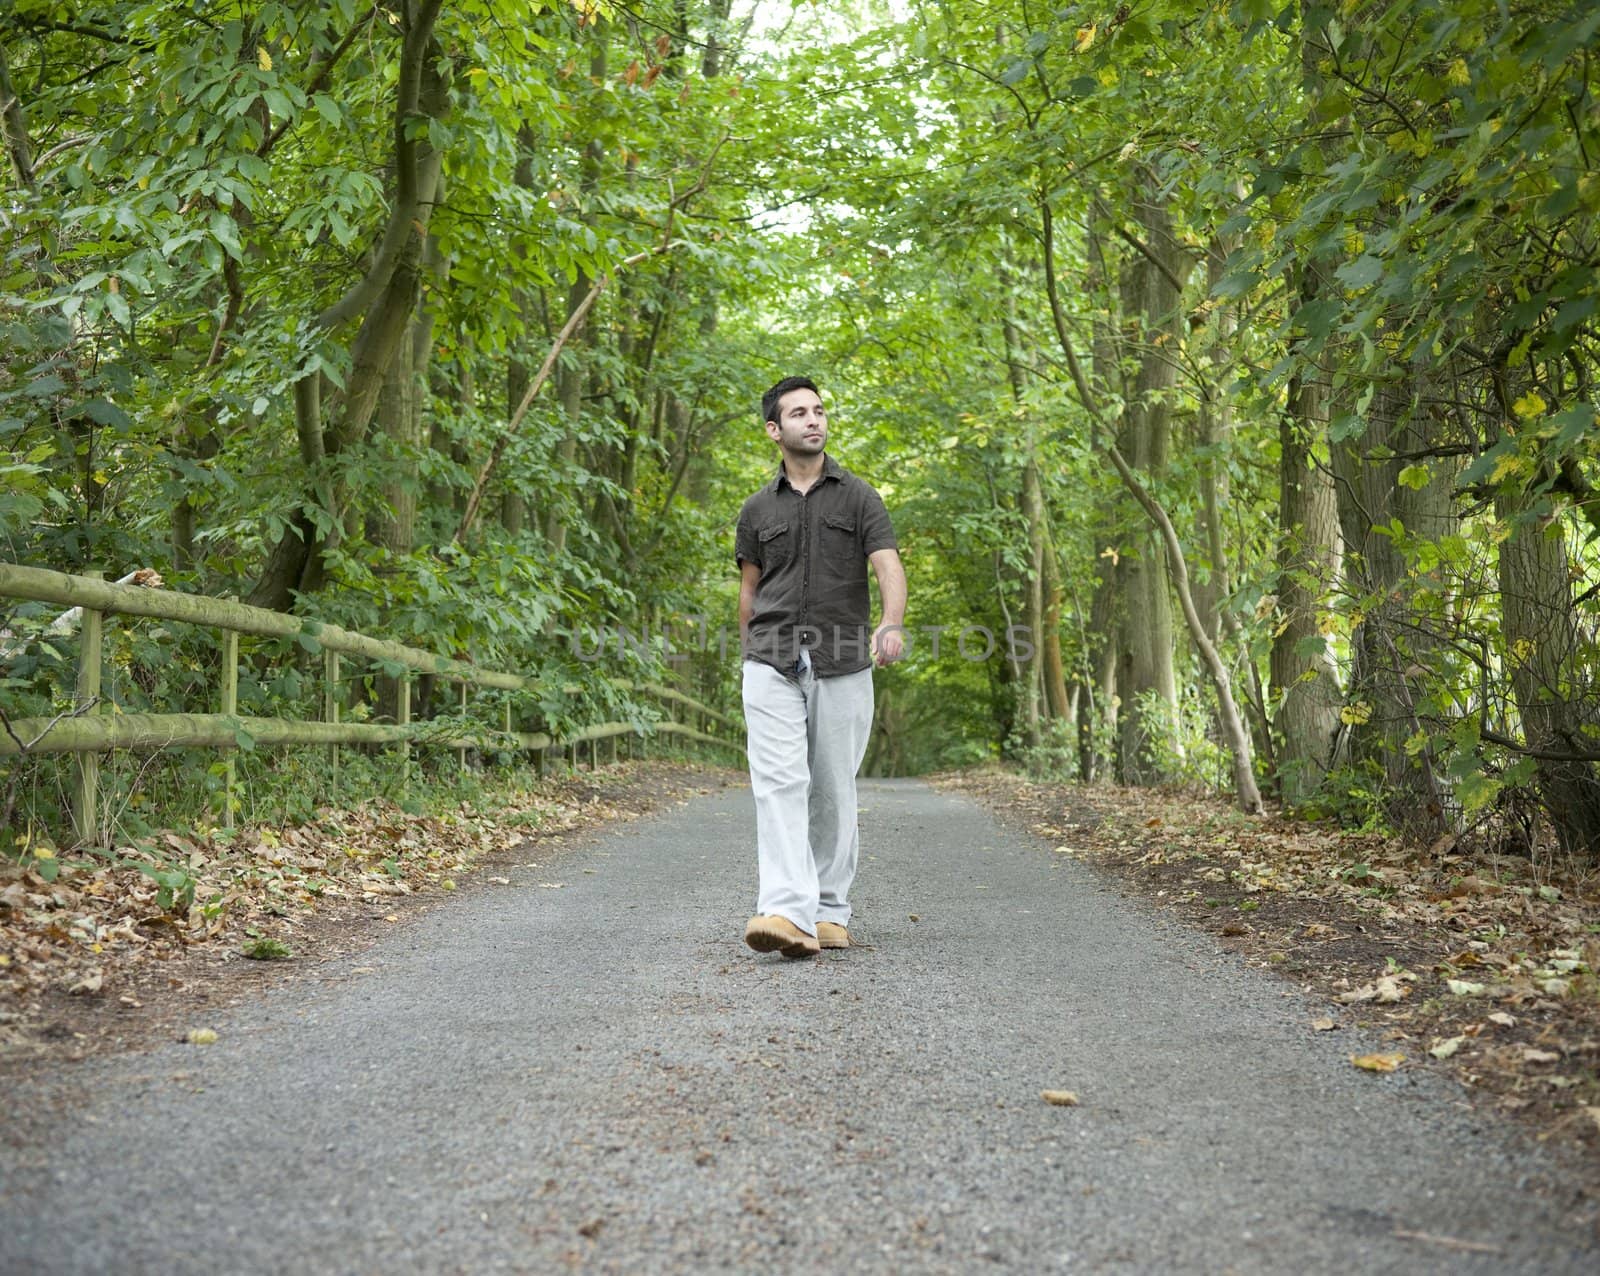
89	734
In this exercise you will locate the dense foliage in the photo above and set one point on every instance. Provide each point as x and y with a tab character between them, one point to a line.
1313	285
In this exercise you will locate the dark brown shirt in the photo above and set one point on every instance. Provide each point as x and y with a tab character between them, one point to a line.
812	550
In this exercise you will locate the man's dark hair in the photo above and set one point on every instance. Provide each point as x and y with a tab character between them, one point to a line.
769	400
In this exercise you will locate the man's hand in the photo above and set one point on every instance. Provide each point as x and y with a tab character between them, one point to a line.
889	638
888	644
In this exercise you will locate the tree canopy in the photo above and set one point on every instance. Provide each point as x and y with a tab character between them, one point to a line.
1229	369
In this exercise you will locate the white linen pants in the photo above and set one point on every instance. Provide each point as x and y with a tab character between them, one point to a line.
806	738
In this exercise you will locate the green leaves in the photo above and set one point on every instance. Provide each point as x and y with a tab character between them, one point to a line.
1363	272
1016	71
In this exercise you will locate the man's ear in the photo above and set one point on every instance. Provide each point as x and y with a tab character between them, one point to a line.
774	431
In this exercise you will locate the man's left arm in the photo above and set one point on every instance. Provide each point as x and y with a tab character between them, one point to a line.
888	639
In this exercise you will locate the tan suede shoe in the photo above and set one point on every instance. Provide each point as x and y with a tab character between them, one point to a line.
779	935
832	935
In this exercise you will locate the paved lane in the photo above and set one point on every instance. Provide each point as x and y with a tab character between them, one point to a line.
600	1076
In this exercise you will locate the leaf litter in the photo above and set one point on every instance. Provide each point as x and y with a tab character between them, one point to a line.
167	920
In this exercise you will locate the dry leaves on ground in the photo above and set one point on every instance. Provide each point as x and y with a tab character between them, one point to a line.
105	918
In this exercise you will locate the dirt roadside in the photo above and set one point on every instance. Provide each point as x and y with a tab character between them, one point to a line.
91	962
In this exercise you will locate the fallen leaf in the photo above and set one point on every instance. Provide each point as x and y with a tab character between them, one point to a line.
1444	1049
1378	1062
1391	990
1555	987
202	1037
1060	1098
1534	1055
90	983
1386	990
1323	1024
1465	987
916	917
1504	1020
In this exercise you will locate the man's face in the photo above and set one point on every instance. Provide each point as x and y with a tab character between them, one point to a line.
802	424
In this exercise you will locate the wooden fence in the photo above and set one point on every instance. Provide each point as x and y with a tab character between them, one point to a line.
88	734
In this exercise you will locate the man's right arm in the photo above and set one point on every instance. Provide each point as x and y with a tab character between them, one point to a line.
749	579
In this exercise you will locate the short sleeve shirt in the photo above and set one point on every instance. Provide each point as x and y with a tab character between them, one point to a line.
812	551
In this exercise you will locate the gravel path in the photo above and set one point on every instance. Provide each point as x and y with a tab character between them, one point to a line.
601	1077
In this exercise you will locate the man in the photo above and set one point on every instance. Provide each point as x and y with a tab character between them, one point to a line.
803	544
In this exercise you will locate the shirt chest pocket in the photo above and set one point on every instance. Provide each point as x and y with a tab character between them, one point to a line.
839	544
777	546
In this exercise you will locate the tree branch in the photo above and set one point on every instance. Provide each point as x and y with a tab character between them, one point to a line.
1546	755
319	79
1149	255
580	312
408	90
15	125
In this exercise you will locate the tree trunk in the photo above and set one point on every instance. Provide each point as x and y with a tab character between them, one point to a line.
14	123
1097	697
1546	663
383	300
1305	683
1145	661
1097	694
1238	742
513	503
393	524
1033	512
1053	670
569	375
1392	647
1032	676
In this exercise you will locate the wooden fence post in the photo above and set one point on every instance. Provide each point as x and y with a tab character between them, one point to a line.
402	717
230	708
330	708
86	795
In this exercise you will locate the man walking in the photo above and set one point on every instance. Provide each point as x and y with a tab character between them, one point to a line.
803	544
